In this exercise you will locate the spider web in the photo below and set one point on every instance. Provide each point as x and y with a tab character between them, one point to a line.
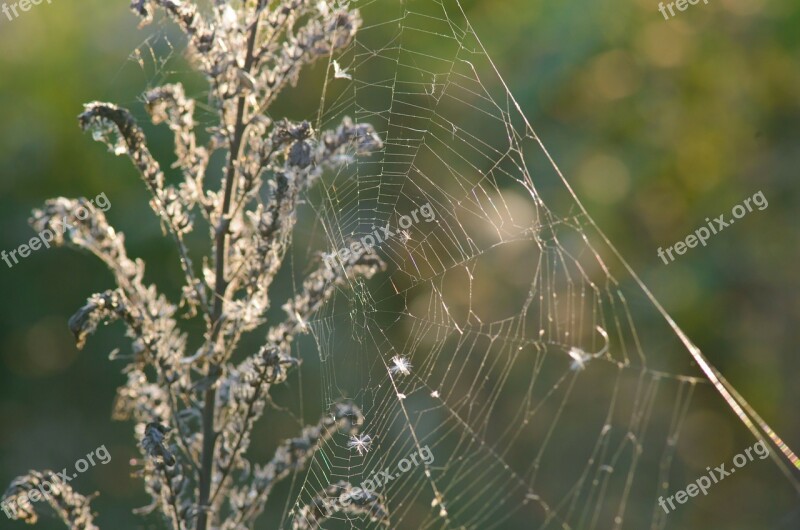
502	306
498	304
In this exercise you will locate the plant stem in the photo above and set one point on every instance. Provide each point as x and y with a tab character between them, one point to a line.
220	285
209	434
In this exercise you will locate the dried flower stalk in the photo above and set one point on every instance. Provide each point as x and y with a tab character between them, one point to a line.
194	411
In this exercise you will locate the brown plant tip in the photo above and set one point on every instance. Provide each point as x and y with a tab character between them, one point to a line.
154	443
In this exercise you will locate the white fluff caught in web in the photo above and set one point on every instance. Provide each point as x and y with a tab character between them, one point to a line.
400	365
580	357
361	443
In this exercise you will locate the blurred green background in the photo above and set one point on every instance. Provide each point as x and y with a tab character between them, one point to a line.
657	124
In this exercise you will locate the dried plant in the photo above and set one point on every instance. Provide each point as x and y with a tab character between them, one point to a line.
194	411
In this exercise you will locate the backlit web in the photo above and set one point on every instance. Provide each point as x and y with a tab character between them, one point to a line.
548	385
500	304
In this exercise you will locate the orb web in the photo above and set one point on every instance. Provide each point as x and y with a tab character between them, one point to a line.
508	341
